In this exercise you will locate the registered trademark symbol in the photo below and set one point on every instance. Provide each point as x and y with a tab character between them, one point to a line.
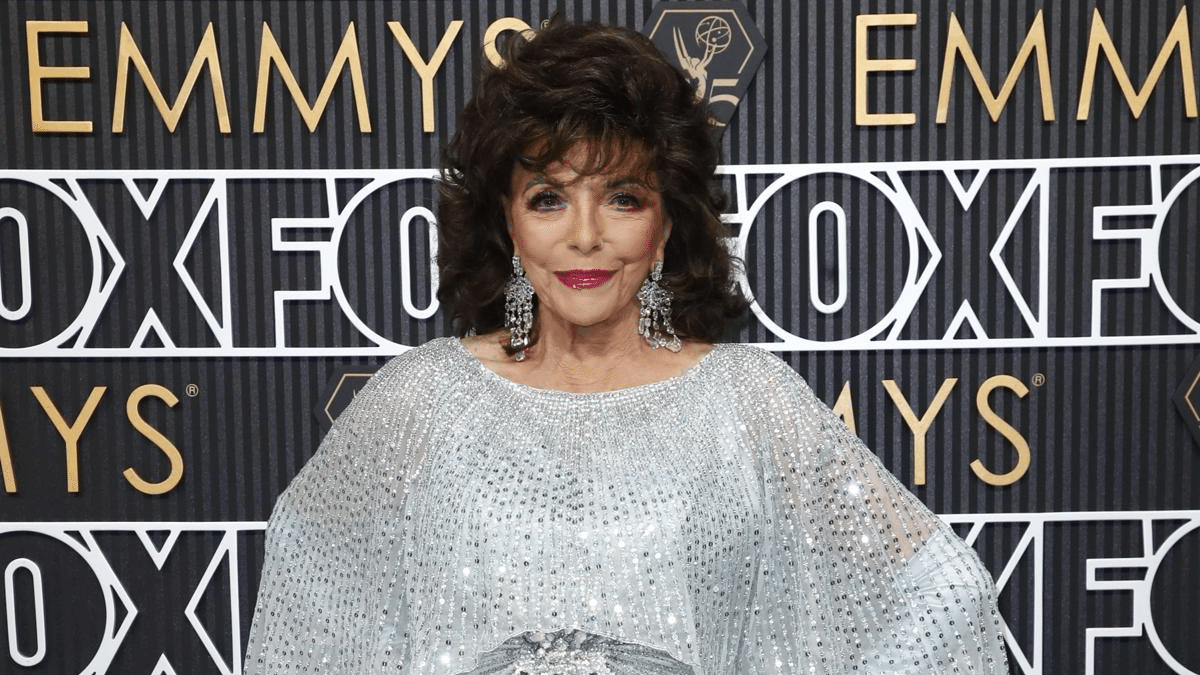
1039	379
192	391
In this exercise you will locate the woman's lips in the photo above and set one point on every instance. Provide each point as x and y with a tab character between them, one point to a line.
581	279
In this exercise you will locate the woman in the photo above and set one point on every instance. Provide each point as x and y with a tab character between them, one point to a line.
587	484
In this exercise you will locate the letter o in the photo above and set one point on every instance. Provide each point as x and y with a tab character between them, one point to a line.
1176	275
39	612
1173	582
23	266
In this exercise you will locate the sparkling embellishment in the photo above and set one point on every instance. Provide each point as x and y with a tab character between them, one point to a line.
654	322
561	654
518	308
760	537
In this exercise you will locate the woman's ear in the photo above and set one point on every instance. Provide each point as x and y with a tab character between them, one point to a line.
506	204
666	234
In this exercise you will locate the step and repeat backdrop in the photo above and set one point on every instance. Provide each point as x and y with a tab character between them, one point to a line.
972	226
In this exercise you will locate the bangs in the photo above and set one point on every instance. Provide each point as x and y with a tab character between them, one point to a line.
604	152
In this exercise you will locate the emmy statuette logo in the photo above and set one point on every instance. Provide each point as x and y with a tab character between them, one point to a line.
716	44
714	35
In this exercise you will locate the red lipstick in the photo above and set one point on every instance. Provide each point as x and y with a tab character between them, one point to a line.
583	279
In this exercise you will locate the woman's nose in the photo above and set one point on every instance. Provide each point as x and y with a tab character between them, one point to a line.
585	229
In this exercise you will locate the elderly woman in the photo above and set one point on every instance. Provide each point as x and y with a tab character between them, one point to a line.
586	484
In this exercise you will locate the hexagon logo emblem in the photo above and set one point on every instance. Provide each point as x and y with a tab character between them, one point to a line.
1187	399
341	390
716	44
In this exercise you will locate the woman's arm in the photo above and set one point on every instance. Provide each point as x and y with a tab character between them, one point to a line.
328	600
857	574
951	622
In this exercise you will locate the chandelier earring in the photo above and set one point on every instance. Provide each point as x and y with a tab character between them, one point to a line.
654	324
518	309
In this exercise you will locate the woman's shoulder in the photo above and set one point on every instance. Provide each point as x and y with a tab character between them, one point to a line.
437	354
414	375
753	362
760	380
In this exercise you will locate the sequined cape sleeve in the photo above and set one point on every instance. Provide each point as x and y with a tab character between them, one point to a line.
327	595
724	519
855	574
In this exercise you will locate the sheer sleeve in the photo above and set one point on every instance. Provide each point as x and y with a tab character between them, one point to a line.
855	573
329	567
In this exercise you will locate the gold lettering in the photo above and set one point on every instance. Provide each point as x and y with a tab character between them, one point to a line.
1006	430
426	70
1099	40
70	432
957	45
920	426
156	437
38	73
346	57
6	465
129	56
495	29
844	407
864	65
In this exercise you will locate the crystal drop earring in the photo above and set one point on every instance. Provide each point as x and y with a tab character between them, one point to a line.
518	309
654	323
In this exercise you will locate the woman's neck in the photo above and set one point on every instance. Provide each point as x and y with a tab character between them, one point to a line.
589	360
586	359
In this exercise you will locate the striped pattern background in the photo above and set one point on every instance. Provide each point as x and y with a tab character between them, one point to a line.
1104	432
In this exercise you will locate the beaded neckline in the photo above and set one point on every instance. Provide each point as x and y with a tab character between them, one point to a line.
692	371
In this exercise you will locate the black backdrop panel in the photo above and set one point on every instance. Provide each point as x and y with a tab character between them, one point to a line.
995	285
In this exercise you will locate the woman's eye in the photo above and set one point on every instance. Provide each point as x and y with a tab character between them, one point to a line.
545	201
626	201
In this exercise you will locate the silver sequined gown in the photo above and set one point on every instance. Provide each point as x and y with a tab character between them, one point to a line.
721	522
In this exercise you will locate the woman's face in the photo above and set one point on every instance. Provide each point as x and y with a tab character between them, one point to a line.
586	242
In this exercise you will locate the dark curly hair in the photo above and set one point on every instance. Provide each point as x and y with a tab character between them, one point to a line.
607	86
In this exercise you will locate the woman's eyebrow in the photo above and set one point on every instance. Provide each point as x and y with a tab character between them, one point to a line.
613	183
541	180
628	180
